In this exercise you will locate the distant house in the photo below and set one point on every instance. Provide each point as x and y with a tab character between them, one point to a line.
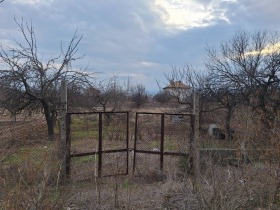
178	89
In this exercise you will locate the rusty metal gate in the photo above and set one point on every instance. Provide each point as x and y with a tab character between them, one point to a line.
159	140
97	144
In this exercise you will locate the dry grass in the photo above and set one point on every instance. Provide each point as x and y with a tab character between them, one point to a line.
29	176
28	171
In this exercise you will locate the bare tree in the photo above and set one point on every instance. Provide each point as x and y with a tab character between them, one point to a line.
196	81
36	82
214	94
80	98
162	97
139	95
111	96
222	96
11	100
251	64
192	78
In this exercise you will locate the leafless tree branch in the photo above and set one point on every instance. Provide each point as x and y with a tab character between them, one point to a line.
37	81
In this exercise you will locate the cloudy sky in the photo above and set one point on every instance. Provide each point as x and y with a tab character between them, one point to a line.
139	39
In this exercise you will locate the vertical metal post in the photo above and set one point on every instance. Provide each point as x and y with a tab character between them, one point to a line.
162	142
135	142
127	142
68	146
100	144
62	147
196	150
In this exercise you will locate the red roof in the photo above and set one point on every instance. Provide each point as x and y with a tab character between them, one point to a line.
177	85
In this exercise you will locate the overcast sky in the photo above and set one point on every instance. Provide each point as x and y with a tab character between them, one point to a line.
140	39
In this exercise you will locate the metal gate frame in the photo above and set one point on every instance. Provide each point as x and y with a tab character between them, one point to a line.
100	140
100	151
162	153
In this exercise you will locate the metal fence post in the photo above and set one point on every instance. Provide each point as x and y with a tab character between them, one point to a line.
100	144
162	142
195	154
135	143
127	143
68	146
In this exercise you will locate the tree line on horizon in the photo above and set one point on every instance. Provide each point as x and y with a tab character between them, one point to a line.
244	71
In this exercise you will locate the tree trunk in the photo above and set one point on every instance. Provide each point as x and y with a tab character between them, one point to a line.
50	120
228	122
50	124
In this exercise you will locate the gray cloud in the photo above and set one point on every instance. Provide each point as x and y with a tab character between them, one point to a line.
130	37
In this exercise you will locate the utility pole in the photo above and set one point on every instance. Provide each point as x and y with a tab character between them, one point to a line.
62	144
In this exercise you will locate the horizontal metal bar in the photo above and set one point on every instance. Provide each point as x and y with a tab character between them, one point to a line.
96	153
160	113
82	113
147	152
217	149
110	175
114	150
175	153
83	154
164	153
257	150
